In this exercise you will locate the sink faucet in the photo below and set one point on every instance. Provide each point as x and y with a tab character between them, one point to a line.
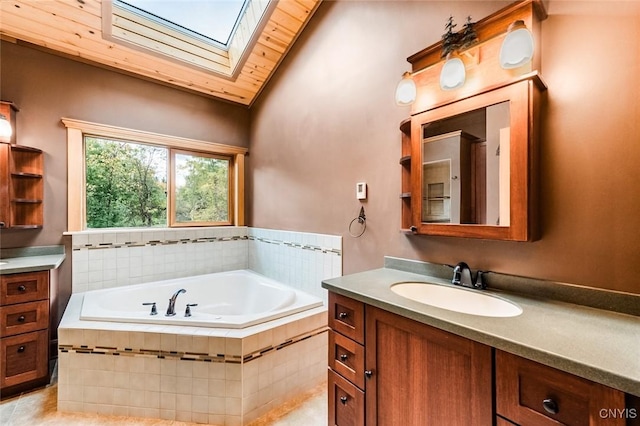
463	276
171	309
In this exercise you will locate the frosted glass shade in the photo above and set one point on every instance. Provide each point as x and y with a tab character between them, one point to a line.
5	128
517	46
453	74
406	90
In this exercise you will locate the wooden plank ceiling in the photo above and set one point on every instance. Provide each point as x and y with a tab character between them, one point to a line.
74	27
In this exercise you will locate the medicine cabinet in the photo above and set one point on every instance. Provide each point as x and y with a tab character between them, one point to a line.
473	165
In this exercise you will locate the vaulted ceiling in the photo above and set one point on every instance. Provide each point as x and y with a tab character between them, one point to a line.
75	28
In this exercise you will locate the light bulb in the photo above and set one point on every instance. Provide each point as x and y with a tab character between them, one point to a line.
5	128
406	90
517	47
453	74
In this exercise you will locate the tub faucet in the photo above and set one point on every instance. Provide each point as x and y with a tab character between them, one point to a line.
171	309
462	276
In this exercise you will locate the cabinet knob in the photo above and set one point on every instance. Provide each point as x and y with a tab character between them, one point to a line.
343	315
21	349
343	399
22	288
413	229
343	357
550	406
21	318
368	373
2	224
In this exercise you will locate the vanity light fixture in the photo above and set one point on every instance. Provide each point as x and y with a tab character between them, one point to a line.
453	73
517	46
406	90
5	129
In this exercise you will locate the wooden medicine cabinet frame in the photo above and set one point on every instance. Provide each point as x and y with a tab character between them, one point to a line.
523	97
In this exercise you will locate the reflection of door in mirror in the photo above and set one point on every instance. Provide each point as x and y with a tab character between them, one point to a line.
465	179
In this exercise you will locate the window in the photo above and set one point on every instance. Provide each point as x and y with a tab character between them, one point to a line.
125	178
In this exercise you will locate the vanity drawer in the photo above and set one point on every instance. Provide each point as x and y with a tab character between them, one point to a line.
529	393
346	357
24	317
24	287
23	358
346	402
346	316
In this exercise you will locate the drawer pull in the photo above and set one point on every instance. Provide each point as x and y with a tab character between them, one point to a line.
21	318
343	315
550	406
21	349
343	357
22	288
343	399
368	373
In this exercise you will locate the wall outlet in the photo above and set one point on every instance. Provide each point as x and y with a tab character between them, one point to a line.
361	191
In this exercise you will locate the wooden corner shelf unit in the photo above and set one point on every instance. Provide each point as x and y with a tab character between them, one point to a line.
22	170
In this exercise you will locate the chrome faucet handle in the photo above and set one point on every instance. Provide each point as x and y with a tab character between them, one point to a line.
479	281
154	311
187	312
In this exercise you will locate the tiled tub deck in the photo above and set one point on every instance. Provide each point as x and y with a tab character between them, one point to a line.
198	374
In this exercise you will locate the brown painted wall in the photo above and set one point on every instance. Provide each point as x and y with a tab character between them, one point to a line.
47	87
328	120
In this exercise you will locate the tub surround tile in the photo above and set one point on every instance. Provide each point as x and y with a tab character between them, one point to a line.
301	260
218	374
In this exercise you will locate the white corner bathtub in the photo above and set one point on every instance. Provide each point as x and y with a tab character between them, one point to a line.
234	299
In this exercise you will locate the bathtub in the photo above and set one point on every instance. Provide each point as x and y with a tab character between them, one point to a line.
234	299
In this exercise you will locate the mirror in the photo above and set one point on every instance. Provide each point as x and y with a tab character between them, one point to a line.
473	165
465	168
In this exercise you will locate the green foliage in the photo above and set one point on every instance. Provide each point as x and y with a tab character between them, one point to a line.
125	184
202	189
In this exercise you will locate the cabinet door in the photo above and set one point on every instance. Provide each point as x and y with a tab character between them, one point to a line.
424	376
23	358
346	402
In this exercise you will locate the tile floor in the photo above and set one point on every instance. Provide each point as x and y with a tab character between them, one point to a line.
39	408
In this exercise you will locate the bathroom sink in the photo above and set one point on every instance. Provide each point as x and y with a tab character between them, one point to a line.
457	299
3	263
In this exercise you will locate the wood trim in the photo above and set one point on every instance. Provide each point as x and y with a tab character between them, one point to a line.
76	196
105	130
238	173
76	202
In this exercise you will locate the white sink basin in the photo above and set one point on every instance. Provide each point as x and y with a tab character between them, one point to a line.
457	299
3	263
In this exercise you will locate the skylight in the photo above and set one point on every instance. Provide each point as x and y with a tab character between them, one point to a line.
210	35
211	19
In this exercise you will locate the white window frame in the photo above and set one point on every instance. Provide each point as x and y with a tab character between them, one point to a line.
76	179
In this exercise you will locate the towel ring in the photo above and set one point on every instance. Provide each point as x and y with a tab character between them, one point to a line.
362	220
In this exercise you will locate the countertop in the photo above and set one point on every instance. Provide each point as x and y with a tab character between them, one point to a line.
597	344
31	259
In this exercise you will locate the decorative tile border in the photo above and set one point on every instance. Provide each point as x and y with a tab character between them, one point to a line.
99	246
187	356
337	252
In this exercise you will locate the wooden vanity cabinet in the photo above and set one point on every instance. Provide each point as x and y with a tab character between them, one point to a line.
24	331
529	393
385	369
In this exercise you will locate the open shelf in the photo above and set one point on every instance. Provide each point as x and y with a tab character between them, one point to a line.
22	170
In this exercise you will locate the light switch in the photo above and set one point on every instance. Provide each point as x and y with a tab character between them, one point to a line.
361	191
